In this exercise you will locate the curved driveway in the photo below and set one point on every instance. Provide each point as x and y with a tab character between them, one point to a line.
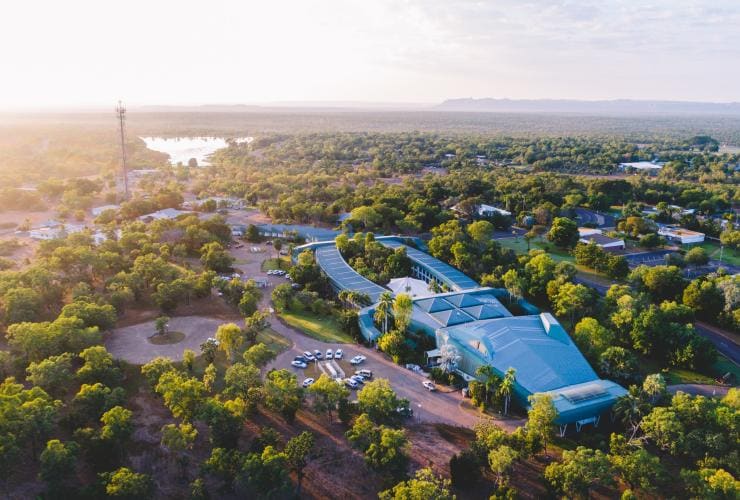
131	343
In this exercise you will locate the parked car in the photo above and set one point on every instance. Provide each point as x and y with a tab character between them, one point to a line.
329	354
357	378
299	364
301	359
351	383
366	374
308	382
429	385
356	360
308	356
317	354
338	354
405	411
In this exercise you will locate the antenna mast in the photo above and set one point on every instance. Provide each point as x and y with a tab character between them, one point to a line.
121	113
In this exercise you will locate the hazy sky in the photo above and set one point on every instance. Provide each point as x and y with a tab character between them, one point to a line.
71	52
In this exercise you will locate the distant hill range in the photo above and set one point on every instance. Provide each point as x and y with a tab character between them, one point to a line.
619	106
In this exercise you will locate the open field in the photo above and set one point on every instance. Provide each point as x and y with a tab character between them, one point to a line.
729	255
324	328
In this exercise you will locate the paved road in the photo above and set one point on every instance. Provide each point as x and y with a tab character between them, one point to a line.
130	342
436	407
724	344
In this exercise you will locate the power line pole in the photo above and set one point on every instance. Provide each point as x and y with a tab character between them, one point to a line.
121	112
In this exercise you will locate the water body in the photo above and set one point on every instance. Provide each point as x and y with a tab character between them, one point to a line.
182	149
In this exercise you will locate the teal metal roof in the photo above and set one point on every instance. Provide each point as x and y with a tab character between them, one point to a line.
342	275
443	272
545	359
455	308
537	346
434	304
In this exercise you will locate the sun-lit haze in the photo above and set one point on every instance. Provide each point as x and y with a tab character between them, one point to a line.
76	53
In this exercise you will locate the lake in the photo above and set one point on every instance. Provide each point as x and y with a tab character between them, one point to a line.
182	149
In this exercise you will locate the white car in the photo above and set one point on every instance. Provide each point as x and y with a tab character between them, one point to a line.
329	354
351	383
338	354
308	355
429	386
357	359
307	382
298	364
317	354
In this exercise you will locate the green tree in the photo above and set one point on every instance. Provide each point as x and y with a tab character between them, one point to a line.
239	378
423	486
592	338
209	348
663	427
402	308
393	343
637	467
541	416
161	324
388	453
57	464
117	427
618	363
298	452
209	377
230	338
52	374
282	393
579	471
491	380
383	310
379	401
654	386
327	394
500	461
259	355
188	359
155	368
182	395
125	483
711	484
696	257
215	258
99	366
506	388
573	301
563	232
178	439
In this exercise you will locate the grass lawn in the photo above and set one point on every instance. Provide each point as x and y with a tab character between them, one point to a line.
275	263
682	376
729	255
324	328
519	245
273	340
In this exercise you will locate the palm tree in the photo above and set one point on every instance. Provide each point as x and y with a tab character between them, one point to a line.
383	310
630	409
490	378
507	387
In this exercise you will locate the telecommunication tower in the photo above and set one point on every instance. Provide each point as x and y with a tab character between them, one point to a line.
121	113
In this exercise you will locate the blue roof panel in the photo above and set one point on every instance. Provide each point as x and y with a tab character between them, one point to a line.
443	272
343	276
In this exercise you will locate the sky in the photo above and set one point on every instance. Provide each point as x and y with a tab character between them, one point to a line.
92	53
